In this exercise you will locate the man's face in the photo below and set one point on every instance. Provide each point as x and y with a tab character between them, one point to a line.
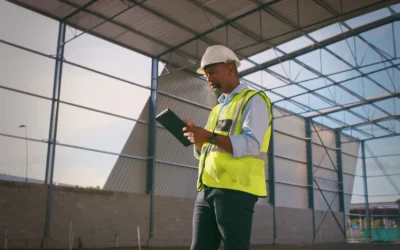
218	76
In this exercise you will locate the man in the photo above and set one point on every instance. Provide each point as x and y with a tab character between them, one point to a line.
231	152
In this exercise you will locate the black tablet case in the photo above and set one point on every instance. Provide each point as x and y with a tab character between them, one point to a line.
174	125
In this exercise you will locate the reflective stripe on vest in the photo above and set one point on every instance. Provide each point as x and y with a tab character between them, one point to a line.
217	168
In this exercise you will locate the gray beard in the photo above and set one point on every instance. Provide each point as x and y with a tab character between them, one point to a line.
217	92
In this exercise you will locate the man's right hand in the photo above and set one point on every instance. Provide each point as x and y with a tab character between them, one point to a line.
192	125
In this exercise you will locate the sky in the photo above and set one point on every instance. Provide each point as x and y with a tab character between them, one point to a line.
28	72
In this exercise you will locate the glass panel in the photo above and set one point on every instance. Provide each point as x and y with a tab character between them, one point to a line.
265	56
254	77
396	7
351	118
392	146
329	122
355	134
343	97
381	190
19	109
295	44
99	131
373	130
83	87
358	189
316	83
345	49
76	167
369	111
273	97
17	163
328	93
368	18
26	71
108	58
382	39
245	64
331	64
393	125
397	37
269	81
385	78
340	77
346	117
328	32
292	107
290	90
389	105
365	55
34	31
374	67
313	101
299	73
364	87
312	59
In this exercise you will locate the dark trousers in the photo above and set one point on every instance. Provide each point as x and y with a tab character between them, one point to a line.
222	215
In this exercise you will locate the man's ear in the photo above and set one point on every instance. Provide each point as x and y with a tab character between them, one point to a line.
231	69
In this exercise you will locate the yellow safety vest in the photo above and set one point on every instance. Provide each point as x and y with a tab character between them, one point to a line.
217	168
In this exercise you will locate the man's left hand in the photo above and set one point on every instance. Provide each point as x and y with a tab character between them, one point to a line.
196	135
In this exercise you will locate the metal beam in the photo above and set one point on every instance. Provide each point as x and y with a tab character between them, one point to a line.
358	104
367	214
51	145
290	24
127	28
151	148
339	162
300	105
227	22
310	173
76	11
383	137
320	45
373	121
271	173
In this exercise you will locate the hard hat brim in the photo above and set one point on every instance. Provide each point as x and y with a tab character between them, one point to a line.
202	72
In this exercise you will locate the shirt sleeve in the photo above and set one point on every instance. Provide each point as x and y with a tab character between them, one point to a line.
195	153
255	122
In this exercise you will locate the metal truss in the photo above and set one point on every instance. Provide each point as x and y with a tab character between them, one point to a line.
264	7
282	19
312	180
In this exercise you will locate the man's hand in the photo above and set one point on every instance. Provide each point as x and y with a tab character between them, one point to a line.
196	135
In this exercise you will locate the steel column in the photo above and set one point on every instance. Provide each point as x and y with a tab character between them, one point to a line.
310	173
367	214
51	144
151	148
339	163
271	173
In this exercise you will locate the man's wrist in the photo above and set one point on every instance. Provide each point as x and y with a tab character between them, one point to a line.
213	138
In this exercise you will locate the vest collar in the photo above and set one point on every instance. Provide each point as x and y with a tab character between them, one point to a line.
222	99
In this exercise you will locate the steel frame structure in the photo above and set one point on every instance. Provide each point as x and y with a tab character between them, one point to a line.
310	123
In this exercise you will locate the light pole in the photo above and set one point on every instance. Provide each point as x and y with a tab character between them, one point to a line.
26	151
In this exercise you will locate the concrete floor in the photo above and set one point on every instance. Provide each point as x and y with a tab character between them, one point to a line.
352	246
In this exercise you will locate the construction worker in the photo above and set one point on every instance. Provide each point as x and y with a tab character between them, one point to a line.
231	150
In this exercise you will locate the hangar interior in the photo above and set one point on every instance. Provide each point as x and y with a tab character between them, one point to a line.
83	80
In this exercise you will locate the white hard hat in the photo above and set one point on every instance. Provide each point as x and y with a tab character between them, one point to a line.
217	54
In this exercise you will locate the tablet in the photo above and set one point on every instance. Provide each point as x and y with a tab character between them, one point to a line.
174	125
